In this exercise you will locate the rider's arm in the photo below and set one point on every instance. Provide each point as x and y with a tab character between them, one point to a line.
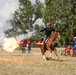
43	30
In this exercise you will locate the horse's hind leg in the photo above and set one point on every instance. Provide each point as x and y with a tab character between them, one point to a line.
56	54
43	52
50	53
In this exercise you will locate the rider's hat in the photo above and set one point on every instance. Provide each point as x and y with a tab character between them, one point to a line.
75	37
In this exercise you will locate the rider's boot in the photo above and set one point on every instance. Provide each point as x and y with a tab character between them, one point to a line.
43	46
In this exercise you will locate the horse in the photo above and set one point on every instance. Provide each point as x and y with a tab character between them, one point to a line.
48	45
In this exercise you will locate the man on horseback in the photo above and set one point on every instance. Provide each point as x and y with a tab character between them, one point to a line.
48	30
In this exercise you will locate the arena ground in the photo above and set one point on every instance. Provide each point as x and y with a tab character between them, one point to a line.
18	63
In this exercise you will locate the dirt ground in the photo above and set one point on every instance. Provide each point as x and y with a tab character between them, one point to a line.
18	63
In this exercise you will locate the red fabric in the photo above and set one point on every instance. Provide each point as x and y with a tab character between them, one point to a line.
22	44
68	48
41	41
28	42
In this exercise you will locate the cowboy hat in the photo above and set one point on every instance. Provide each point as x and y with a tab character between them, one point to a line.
75	37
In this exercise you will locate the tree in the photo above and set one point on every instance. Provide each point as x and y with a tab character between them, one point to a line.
24	17
62	15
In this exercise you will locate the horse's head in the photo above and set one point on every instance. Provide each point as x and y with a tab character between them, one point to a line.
57	35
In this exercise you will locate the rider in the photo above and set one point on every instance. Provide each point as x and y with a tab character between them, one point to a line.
48	30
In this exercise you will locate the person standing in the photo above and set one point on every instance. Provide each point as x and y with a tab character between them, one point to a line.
29	45
22	45
74	47
48	30
74	40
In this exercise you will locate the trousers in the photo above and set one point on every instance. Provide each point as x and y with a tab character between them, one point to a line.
44	39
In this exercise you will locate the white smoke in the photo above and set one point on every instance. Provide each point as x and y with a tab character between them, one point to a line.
7	7
6	10
2	35
25	36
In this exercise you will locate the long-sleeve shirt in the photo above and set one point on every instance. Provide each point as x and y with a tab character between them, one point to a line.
74	41
29	42
22	44
47	30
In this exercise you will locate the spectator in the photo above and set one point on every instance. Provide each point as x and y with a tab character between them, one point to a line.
74	40
29	45
22	45
74	47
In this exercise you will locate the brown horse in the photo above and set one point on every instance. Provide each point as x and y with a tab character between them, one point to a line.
49	46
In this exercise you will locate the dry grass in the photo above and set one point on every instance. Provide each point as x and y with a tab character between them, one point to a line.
17	63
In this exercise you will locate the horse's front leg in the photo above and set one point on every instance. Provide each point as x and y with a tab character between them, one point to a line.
50	56
44	57
43	54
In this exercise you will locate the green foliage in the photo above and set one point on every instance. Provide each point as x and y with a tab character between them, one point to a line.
38	34
62	15
24	17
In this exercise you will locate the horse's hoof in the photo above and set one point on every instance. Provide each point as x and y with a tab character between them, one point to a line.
45	59
50	58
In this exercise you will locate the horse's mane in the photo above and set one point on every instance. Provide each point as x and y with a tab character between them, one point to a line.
53	36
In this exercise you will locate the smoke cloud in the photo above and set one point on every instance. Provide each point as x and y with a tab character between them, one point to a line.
2	35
